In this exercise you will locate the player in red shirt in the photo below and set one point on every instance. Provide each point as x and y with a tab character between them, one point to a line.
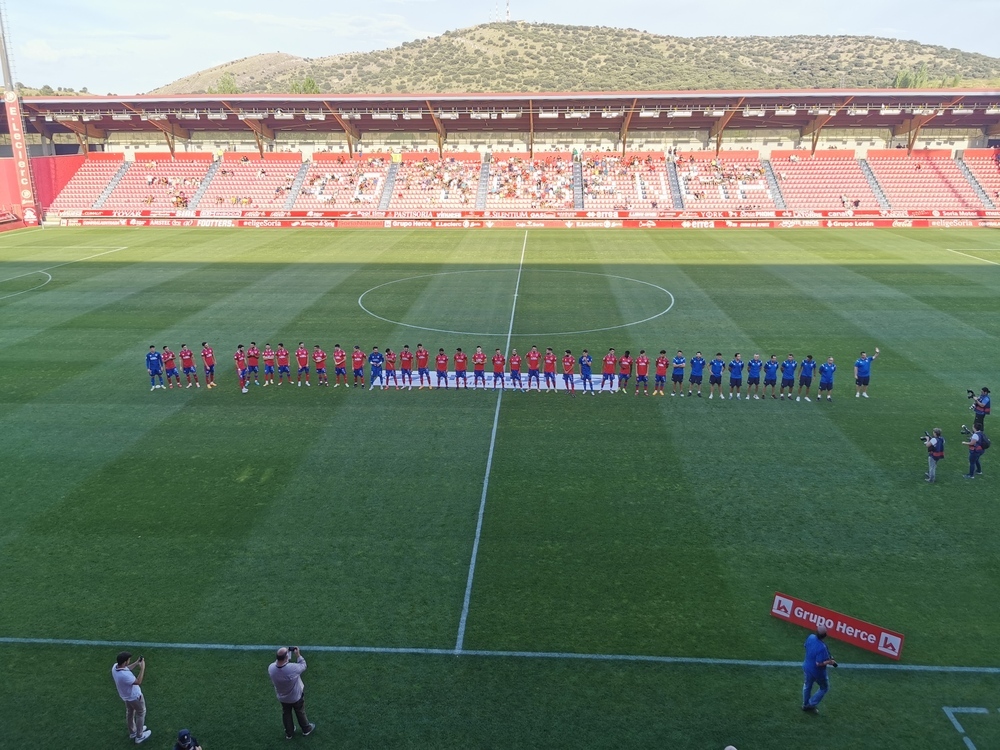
253	362
550	370
358	359
608	373
515	370
642	372
406	367
302	357
534	358
661	373
442	368
208	357
478	367
241	368
423	356
390	369
268	364
170	367
461	366
624	371
339	365
569	376
498	363
319	358
283	366
187	364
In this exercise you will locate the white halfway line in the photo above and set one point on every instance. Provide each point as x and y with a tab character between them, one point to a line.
974	257
486	653
460	638
67	263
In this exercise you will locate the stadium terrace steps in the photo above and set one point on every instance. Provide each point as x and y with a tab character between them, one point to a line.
985	167
923	180
675	185
577	185
110	188
612	182
205	182
390	183
253	183
826	181
883	200
338	183
483	190
293	194
157	182
971	178
772	183
86	186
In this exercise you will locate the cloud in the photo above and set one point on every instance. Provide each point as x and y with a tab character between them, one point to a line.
39	50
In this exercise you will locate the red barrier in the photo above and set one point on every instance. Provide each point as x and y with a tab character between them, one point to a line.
843	627
51	174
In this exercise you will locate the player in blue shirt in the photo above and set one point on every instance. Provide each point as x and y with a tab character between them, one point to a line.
715	369
771	374
753	376
788	368
697	368
814	666
736	366
586	372
863	372
826	371
679	362
375	362
806	370
154	366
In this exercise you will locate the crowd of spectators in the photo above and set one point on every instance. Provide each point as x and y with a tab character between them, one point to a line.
537	183
718	180
627	180
359	184
438	183
179	190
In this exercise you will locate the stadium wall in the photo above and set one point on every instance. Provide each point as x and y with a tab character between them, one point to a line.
51	173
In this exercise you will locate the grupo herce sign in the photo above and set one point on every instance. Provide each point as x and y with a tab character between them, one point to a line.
843	627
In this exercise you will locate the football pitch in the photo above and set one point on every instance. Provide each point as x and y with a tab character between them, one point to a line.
476	570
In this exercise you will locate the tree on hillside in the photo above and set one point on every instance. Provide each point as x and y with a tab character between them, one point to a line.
909	79
226	85
306	86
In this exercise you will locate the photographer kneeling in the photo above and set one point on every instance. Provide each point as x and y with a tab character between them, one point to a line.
935	452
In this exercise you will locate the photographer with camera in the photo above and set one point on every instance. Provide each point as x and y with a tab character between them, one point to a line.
286	676
977	443
980	407
935	452
130	692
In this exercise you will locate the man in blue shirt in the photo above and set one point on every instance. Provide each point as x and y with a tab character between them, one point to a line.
715	369
981	407
586	371
806	371
814	667
154	366
375	361
862	373
771	374
679	362
753	376
697	370
736	366
826	371
788	368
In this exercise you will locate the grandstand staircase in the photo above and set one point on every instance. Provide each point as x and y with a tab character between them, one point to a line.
205	182
482	192
983	196
675	185
577	185
296	187
110	187
873	184
390	183
772	182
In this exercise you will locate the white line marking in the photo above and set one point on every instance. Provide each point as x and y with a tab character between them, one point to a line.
483	653
460	638
504	270
974	257
67	263
950	712
47	280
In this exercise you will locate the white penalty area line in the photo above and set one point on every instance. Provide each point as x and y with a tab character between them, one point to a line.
460	638
486	653
974	257
67	263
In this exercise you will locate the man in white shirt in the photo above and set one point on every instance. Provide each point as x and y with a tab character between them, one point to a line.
129	691
286	676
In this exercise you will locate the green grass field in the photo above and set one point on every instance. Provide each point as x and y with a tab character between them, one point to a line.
613	525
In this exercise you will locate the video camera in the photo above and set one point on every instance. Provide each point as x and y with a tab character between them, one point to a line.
925	437
965	430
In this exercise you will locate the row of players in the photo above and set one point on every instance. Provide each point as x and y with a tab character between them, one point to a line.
383	368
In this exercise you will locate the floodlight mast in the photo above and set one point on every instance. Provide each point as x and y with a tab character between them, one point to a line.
8	79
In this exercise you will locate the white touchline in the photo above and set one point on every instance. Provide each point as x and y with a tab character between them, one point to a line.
67	263
460	638
974	257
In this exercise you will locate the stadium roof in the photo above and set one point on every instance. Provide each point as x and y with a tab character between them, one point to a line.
904	111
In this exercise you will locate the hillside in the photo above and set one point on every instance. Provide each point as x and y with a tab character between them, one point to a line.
521	57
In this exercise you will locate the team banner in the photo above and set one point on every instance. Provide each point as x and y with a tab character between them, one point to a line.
15	124
843	627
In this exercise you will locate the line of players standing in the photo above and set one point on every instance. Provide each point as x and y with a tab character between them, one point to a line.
616	371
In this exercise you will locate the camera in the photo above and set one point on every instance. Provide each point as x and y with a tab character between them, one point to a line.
925	437
292	649
972	394
965	430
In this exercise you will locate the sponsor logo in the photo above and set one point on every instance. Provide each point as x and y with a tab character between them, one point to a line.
781	606
839	626
30	215
260	223
890	644
698	224
902	223
647	224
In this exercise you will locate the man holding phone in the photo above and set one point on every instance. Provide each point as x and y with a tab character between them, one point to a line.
286	676
130	692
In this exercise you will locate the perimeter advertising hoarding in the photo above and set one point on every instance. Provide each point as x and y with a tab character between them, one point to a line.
15	123
843	627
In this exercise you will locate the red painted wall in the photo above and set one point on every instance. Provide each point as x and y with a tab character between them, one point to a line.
10	196
51	173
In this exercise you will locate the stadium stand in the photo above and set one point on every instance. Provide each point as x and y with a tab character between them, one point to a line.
731	181
636	181
86	186
157	181
337	182
924	180
424	182
242	181
984	163
543	183
824	181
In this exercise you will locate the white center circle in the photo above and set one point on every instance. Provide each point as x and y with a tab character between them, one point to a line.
664	311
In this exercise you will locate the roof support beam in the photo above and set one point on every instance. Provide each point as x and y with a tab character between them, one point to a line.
912	126
720	127
260	130
442	134
84	129
38	121
819	122
352	132
623	133
169	129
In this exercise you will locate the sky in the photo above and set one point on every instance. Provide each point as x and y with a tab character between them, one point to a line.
132	46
